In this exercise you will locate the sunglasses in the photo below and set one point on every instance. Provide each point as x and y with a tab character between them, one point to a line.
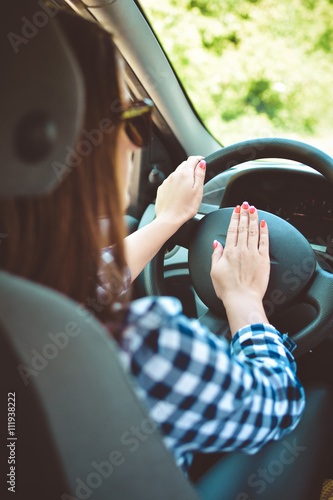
138	121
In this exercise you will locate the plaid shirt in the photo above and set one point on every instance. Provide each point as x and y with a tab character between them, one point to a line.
205	394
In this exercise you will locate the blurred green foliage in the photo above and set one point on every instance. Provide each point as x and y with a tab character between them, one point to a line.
253	68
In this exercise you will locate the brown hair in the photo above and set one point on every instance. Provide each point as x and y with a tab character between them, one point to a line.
55	239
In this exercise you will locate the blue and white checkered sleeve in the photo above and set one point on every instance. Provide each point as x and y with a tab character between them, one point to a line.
205	395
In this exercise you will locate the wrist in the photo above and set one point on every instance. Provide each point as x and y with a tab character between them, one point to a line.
241	298
168	224
244	309
165	226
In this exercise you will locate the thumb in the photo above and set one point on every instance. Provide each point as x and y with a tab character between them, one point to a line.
218	251
199	173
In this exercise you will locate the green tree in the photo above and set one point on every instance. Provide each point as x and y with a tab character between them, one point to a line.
253	67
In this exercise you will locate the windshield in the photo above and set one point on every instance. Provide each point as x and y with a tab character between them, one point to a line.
253	68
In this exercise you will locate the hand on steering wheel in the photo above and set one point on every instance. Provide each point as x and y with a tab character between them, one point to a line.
240	271
180	195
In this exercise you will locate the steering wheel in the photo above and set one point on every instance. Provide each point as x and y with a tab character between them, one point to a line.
295	275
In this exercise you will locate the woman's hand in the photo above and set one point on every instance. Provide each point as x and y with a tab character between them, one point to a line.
240	271
179	197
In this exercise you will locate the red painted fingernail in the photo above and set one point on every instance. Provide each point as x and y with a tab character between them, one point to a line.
252	209
262	223
215	244
237	209
202	164
245	205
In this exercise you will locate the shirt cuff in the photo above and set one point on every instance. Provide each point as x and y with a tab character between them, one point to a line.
262	328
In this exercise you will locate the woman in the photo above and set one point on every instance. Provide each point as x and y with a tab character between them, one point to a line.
206	395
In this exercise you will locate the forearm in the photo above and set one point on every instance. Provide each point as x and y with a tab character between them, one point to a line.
142	245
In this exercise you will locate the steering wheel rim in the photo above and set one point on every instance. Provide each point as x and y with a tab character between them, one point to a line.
318	289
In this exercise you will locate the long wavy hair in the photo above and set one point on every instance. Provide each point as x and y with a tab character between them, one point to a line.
55	239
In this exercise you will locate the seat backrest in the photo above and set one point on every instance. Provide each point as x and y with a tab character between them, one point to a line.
81	431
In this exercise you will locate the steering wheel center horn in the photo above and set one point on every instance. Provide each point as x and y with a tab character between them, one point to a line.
292	264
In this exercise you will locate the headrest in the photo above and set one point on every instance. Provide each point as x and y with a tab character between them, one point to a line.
41	96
